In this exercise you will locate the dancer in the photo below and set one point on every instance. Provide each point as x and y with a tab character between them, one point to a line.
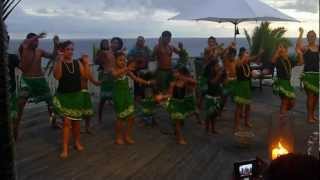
107	60
163	54
87	108
68	101
213	97
141	55
177	105
282	85
210	52
148	102
33	85
242	90
229	63
309	56
123	99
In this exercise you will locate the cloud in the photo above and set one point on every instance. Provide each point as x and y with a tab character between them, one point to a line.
310	6
125	18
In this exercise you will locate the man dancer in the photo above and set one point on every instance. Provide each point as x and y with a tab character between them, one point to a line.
163	54
33	84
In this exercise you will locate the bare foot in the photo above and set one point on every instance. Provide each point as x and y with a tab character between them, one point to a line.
64	155
312	121
315	118
119	142
248	125
78	147
182	141
129	140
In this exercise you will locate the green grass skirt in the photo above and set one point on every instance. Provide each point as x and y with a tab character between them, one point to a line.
229	87
163	78
13	107
147	106
36	89
123	101
177	109
190	103
282	87
106	86
87	104
242	91
213	105
69	105
311	81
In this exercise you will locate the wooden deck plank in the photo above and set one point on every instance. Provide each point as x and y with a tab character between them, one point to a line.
155	155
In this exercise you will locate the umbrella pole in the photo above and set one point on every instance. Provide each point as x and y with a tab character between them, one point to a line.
235	32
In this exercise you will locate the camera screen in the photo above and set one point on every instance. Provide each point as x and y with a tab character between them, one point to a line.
245	170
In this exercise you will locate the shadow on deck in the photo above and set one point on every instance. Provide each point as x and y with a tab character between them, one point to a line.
155	155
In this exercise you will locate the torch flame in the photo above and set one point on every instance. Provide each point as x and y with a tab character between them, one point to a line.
278	151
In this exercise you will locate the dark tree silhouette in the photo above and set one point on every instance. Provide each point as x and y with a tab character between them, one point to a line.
7	165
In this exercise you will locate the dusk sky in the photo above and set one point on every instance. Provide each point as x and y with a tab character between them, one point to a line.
130	18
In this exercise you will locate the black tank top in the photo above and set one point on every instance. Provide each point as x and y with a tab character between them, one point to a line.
179	92
311	61
243	72
283	69
71	78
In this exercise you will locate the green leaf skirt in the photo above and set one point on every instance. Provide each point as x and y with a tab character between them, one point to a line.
311	81
177	109
213	105
163	78
123	101
147	106
282	87
70	105
242	91
87	104
35	88
229	87
106	86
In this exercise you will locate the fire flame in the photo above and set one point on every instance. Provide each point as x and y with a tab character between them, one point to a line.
278	151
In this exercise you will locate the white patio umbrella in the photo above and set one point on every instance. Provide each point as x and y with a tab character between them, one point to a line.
233	11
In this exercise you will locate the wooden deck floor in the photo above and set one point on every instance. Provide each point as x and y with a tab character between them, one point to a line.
155	155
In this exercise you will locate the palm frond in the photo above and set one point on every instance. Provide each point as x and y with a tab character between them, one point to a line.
266	38
8	7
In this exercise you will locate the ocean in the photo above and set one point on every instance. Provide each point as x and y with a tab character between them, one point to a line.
194	46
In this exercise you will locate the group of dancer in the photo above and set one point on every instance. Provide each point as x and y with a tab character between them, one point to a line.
222	74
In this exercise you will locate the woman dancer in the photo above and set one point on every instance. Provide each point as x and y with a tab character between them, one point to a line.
123	99
282	85
309	56
68	101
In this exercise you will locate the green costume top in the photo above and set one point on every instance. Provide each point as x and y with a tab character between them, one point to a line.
122	98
